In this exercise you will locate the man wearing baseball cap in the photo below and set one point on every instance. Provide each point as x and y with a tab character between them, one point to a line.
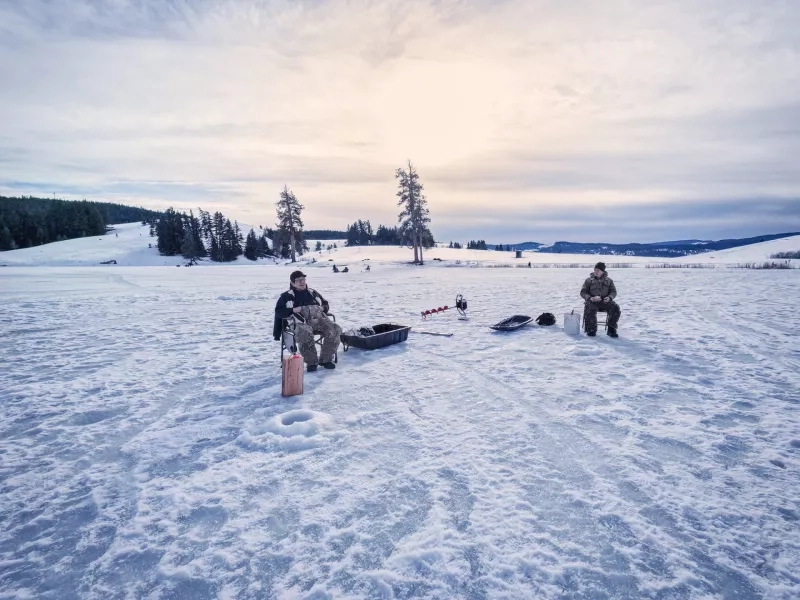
309	310
599	292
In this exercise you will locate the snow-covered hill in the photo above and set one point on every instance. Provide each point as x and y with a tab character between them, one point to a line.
760	252
128	244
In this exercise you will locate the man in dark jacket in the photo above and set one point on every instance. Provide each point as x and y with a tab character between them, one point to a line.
599	292
307	309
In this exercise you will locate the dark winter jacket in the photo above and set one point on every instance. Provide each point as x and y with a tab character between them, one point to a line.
289	300
598	287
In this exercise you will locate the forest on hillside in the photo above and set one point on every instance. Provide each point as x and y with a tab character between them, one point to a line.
27	221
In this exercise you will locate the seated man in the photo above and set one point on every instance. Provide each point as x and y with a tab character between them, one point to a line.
599	292
308	309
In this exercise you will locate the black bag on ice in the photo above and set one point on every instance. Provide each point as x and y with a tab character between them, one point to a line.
546	319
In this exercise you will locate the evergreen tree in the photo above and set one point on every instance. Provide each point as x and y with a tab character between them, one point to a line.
238	241
170	233
289	220
189	248
238	246
6	241
251	246
318	247
263	249
414	216
192	246
229	245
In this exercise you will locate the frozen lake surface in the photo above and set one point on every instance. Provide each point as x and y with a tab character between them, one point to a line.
146	452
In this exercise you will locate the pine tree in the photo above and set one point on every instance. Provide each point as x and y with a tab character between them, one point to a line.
414	216
318	247
192	246
263	249
6	241
289	220
251	246
237	241
230	247
239	238
170	232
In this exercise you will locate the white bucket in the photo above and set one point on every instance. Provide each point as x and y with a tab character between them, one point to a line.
572	323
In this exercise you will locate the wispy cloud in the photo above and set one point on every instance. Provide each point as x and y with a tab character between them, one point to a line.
570	110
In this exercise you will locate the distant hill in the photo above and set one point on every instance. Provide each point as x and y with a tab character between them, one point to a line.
657	249
27	221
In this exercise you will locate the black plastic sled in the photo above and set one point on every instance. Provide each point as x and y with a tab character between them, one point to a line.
385	334
512	323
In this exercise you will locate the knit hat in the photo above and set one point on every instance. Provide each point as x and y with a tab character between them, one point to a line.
601	266
296	275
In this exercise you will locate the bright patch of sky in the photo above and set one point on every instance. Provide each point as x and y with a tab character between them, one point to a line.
590	121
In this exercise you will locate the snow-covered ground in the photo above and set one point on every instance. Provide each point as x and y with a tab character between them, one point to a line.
756	253
146	452
128	245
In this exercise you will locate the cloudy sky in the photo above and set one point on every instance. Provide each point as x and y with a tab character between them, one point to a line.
612	120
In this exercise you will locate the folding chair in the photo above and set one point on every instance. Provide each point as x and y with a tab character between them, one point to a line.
288	338
603	322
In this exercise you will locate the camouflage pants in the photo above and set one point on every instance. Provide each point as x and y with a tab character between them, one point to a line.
316	322
591	309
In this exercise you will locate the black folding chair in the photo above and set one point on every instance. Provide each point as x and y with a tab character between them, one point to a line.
604	322
289	343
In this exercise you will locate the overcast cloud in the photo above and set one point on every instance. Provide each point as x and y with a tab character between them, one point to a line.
527	120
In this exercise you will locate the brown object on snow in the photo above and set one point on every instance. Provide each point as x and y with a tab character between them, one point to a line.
292	381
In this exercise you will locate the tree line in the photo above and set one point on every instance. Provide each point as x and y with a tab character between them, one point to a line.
28	221
214	236
361	233
412	230
207	235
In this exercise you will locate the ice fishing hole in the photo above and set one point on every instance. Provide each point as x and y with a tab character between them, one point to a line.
296	417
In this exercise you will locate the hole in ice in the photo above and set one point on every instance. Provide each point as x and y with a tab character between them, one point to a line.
297	416
788	514
90	417
778	463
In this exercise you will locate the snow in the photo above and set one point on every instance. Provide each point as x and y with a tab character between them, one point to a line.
757	253
128	245
146	451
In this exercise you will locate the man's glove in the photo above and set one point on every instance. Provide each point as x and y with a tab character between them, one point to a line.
325	307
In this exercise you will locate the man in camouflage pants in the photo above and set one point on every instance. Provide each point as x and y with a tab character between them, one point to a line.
309	309
599	292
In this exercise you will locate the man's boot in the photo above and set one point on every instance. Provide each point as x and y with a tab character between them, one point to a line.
328	365
311	368
612	332
591	333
